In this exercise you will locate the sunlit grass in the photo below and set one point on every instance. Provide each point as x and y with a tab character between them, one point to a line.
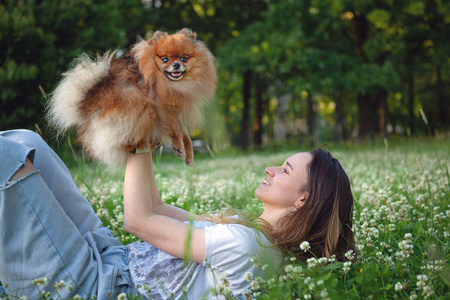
401	216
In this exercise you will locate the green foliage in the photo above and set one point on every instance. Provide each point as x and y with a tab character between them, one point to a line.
354	49
38	40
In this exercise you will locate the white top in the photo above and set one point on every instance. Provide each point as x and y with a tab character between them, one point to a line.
229	250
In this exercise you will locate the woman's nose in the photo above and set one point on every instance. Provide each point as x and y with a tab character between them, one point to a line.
270	171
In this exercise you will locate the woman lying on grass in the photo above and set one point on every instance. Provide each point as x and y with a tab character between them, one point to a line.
50	233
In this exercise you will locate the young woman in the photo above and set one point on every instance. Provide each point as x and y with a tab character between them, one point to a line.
49	230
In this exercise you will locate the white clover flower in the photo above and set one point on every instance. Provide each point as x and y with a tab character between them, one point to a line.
272	282
255	261
45	295
312	262
40	281
59	285
399	255
226	292
122	296
288	268
324	293
346	267
420	284
428	291
255	285
305	246
350	254
146	288
248	276
322	260
398	287
307	296
422	277
214	292
247	294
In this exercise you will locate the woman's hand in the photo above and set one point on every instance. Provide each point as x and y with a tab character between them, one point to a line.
153	221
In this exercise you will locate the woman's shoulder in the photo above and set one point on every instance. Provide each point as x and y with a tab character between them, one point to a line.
237	245
241	235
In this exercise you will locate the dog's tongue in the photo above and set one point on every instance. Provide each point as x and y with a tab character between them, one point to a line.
177	74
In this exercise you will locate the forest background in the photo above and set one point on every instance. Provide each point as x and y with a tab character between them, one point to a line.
298	72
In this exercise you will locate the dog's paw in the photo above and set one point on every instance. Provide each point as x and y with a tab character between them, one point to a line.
155	144
189	162
178	152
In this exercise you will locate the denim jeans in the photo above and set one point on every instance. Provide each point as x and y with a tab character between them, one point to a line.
48	229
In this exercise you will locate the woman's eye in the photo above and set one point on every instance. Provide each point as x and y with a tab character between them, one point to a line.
285	170
183	59
165	60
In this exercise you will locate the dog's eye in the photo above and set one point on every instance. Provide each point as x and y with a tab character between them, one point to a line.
183	59
165	60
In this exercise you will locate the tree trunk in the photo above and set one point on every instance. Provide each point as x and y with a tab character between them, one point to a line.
443	109
339	118
311	119
411	121
259	111
384	111
368	116
244	134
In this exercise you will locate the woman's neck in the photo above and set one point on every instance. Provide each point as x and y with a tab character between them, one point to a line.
272	216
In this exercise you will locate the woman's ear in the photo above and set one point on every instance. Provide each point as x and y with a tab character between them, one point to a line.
301	201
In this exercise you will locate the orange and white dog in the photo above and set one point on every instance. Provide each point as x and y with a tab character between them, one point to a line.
120	104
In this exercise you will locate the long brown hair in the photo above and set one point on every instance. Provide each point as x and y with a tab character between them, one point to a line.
325	220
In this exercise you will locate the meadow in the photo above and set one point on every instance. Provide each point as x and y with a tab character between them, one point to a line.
401	216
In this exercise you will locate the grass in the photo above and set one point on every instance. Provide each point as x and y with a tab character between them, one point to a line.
401	216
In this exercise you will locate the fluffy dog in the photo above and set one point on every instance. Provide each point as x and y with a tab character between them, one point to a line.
120	104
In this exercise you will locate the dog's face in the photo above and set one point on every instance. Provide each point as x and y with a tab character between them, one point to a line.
178	61
175	55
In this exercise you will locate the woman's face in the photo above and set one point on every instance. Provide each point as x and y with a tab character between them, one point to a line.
284	186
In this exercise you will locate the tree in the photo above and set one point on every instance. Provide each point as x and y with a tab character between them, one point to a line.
38	41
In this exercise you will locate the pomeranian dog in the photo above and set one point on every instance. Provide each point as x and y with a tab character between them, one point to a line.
132	102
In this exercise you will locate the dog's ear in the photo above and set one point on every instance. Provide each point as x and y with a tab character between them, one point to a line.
157	36
188	33
139	48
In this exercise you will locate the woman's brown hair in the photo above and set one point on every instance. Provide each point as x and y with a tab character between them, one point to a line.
325	220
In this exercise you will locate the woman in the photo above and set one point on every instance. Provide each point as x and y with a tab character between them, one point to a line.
49	230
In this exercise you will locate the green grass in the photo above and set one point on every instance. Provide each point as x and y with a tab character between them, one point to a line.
401	216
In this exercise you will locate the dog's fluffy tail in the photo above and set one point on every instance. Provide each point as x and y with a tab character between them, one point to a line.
62	108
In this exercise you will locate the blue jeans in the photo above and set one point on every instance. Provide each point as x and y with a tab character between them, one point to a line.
48	229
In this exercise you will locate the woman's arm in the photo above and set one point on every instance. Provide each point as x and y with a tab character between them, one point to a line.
148	218
159	207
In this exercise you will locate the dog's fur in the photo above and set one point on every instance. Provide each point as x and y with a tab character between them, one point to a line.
118	104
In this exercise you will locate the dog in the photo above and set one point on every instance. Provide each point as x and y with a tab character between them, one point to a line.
120	104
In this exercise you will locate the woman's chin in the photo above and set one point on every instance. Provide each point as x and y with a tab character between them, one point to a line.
259	192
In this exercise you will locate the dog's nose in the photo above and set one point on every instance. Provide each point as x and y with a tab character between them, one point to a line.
176	66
